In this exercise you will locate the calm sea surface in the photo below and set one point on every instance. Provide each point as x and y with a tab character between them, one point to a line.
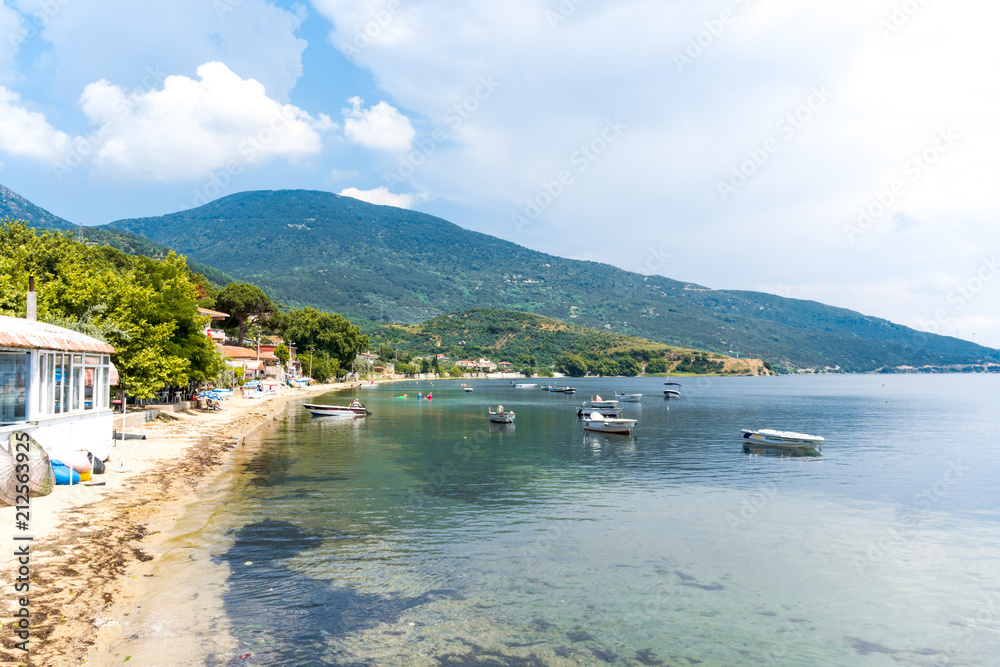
425	535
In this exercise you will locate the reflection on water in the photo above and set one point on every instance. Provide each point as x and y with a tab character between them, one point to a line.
426	535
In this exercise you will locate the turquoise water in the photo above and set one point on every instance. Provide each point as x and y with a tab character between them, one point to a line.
425	535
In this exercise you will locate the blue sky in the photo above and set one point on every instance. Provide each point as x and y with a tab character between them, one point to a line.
843	152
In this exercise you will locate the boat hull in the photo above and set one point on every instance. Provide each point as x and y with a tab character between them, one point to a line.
616	426
604	412
334	410
793	442
502	417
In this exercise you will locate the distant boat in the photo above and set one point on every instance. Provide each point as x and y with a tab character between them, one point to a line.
525	385
671	390
355	409
601	424
501	417
767	438
467	388
628	398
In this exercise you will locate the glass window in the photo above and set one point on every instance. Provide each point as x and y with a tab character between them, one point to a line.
13	387
58	385
89	378
77	385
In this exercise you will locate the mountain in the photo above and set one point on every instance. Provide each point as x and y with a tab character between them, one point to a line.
16	207
390	264
504	335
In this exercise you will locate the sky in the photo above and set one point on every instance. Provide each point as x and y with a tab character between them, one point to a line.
841	152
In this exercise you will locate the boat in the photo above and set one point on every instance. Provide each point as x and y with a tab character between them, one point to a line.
467	388
525	385
601	424
606	412
501	417
355	409
671	390
628	398
767	438
569	390
599	403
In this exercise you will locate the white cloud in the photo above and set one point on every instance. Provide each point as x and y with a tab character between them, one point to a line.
383	197
28	133
120	41
381	126
190	127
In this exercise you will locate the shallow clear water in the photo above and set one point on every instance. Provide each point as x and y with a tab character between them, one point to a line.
425	535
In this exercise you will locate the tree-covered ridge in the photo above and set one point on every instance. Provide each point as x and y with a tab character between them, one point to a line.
528	340
147	309
394	265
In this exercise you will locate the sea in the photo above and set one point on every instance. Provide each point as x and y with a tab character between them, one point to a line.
425	535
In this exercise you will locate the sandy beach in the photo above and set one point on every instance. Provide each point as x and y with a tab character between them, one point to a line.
90	539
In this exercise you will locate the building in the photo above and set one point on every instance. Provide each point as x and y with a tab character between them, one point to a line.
55	384
211	330
255	364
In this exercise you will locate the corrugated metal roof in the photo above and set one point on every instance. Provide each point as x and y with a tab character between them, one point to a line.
214	314
31	335
236	352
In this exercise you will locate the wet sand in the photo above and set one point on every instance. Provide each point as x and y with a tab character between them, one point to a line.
91	540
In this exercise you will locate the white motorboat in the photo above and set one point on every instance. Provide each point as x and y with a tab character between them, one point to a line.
599	402
628	398
467	388
767	438
355	409
525	385
601	424
501	416
671	390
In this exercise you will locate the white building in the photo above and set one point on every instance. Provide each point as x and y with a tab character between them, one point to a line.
55	384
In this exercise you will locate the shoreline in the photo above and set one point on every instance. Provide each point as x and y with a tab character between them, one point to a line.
89	537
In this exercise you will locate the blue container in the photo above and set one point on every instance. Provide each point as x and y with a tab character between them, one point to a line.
63	472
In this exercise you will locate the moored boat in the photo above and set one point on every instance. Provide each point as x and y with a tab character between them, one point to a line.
671	389
601	424
599	402
525	385
767	438
501	416
628	398
355	409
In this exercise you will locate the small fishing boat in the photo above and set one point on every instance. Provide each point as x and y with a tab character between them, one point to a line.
601	424
628	398
606	412
355	409
501	417
525	385
767	438
671	390
599	402
467	388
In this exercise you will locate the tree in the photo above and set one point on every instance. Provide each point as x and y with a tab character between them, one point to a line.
629	367
147	309
283	354
455	372
425	366
657	365
571	364
243	302
330	333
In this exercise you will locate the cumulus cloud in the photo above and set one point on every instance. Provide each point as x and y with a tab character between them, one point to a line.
191	126
383	197
12	33
27	133
380	126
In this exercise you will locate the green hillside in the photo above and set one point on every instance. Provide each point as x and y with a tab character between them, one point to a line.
503	335
16	207
394	265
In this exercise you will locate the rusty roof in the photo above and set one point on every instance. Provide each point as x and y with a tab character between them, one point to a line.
31	335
